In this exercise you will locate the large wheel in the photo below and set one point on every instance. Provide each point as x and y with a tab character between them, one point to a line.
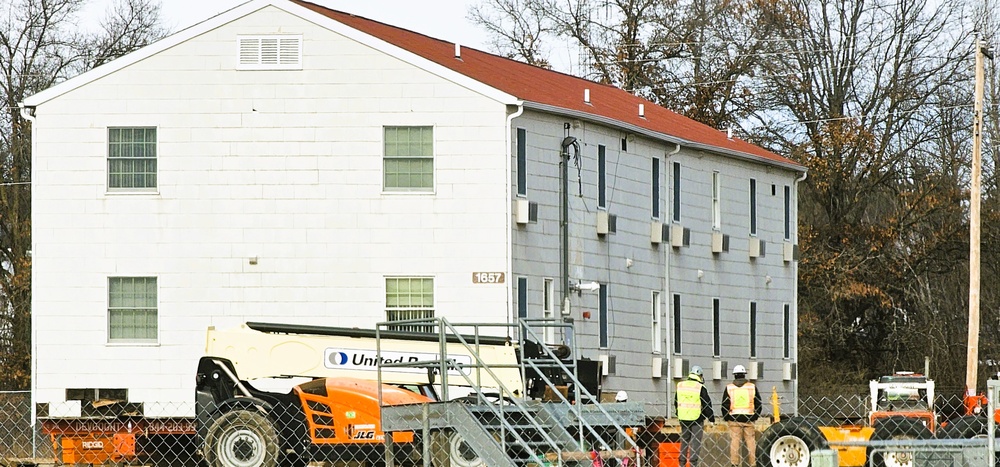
451	450
893	428
241	438
789	443
967	427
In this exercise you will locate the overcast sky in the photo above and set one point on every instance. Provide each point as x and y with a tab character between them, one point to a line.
442	19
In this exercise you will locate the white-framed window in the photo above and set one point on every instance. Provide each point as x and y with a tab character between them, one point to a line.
787	331
522	297
602	177
269	52
677	192
788	212
408	158
677	323
716	201
753	206
409	298
522	162
716	328
753	330
132	309
549	308
131	158
654	187
603	318
657	336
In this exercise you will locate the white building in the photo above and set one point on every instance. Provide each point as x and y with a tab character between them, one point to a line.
284	162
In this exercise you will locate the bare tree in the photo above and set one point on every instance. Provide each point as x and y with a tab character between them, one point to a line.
39	48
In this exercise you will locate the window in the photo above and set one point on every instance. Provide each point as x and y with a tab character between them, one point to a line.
716	201
604	316
132	309
409	298
271	52
753	329
788	212
602	177
522	297
548	309
787	331
522	162
677	191
677	323
131	158
753	206
654	182
716	336
657	336
409	158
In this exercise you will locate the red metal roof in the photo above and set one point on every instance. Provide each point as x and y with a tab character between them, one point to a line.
533	84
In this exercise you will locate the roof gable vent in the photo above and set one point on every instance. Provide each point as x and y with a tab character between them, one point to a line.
270	52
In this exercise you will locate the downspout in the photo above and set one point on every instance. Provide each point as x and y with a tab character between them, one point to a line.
28	113
669	353
510	226
564	217
795	296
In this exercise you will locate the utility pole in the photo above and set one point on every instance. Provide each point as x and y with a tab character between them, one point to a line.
972	361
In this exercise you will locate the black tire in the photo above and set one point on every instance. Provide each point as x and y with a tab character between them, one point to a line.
450	450
241	438
895	428
790	443
965	427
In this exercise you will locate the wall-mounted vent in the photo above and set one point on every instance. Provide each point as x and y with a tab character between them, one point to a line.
607	364
271	52
720	242
788	371
757	248
789	252
680	367
525	211
719	369
657	367
679	236
755	370
658	232
606	223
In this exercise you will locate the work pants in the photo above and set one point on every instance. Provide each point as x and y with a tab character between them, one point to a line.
691	435
740	432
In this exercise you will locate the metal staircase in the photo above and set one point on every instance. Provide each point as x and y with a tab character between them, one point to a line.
500	427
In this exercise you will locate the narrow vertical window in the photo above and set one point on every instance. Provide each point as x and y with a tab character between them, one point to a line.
548	309
716	336
716	201
753	329
677	323
604	316
753	206
132	309
522	162
522	297
602	177
654	308
677	192
654	183
787	318
788	212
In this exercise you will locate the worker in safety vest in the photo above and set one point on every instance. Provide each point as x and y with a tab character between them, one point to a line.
740	408
693	406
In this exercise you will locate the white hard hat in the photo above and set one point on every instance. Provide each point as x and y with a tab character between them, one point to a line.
739	370
622	396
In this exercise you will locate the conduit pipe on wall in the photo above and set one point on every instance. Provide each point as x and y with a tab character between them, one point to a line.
567	142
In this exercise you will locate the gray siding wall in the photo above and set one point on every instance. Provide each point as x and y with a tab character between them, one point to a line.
632	267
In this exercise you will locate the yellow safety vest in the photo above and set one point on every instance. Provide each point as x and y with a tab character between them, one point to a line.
688	400
740	399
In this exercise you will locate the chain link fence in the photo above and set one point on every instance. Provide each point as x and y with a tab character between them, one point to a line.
295	431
